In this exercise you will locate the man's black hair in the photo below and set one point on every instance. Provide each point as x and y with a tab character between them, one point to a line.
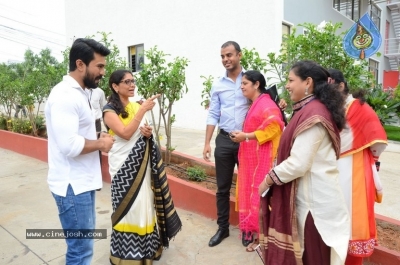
84	50
233	43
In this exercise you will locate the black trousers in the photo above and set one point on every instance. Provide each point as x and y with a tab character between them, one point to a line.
226	156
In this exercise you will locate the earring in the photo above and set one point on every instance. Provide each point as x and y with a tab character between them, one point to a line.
306	91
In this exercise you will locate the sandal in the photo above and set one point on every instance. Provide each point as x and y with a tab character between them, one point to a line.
246	242
252	247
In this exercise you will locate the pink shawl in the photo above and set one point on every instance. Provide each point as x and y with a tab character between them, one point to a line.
255	160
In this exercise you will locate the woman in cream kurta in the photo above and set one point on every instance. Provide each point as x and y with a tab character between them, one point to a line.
304	219
318	189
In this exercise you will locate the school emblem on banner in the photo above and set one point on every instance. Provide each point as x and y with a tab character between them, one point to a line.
363	39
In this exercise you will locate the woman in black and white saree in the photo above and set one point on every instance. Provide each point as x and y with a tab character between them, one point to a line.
144	218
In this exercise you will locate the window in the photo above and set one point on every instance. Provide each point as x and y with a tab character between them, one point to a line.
376	15
285	33
349	8
387	36
136	57
373	68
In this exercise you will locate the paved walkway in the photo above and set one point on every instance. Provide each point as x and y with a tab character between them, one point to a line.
26	203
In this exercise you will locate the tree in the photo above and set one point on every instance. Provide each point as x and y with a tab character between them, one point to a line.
30	82
167	79
37	75
113	60
8	80
321	44
251	60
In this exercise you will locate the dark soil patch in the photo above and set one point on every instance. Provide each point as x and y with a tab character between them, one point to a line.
389	238
179	170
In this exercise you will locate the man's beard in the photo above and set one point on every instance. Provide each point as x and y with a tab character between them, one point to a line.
90	81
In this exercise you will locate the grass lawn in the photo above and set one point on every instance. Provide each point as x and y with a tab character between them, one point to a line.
393	132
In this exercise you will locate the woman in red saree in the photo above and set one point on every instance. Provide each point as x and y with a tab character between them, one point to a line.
362	142
259	142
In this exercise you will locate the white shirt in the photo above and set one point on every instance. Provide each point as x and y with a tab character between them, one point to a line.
69	122
313	161
98	101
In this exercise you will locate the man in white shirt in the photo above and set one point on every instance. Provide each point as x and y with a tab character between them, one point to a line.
98	101
74	165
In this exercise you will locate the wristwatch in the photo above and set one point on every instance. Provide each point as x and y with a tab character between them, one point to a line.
247	138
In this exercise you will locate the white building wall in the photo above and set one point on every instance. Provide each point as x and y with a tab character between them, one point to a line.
186	28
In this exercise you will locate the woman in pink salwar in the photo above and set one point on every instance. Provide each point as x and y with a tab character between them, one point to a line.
259	142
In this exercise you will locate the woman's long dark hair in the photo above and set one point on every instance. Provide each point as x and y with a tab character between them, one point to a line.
327	93
116	78
339	77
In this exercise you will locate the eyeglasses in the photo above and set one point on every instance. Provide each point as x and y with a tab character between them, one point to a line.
129	81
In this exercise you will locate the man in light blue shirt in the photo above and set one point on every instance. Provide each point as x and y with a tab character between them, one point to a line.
228	108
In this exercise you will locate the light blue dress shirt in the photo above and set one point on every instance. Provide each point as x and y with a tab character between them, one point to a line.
228	106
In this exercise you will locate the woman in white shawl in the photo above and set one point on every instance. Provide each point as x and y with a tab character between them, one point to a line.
144	217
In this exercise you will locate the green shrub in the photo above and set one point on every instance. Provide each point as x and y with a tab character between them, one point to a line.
40	122
396	96
205	94
383	104
393	132
3	122
21	126
196	173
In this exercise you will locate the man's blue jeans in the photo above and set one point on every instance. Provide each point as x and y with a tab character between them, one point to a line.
77	212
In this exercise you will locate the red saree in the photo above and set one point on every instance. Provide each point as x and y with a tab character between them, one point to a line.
362	142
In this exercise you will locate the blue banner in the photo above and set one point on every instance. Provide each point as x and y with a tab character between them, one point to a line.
363	39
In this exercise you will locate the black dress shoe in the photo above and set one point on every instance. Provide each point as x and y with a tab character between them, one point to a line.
246	242
218	237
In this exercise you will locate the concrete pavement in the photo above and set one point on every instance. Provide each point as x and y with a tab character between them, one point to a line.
26	203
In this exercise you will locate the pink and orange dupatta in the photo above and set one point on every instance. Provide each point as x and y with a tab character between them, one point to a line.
365	130
256	158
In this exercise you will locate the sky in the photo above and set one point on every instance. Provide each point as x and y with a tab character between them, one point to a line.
31	24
